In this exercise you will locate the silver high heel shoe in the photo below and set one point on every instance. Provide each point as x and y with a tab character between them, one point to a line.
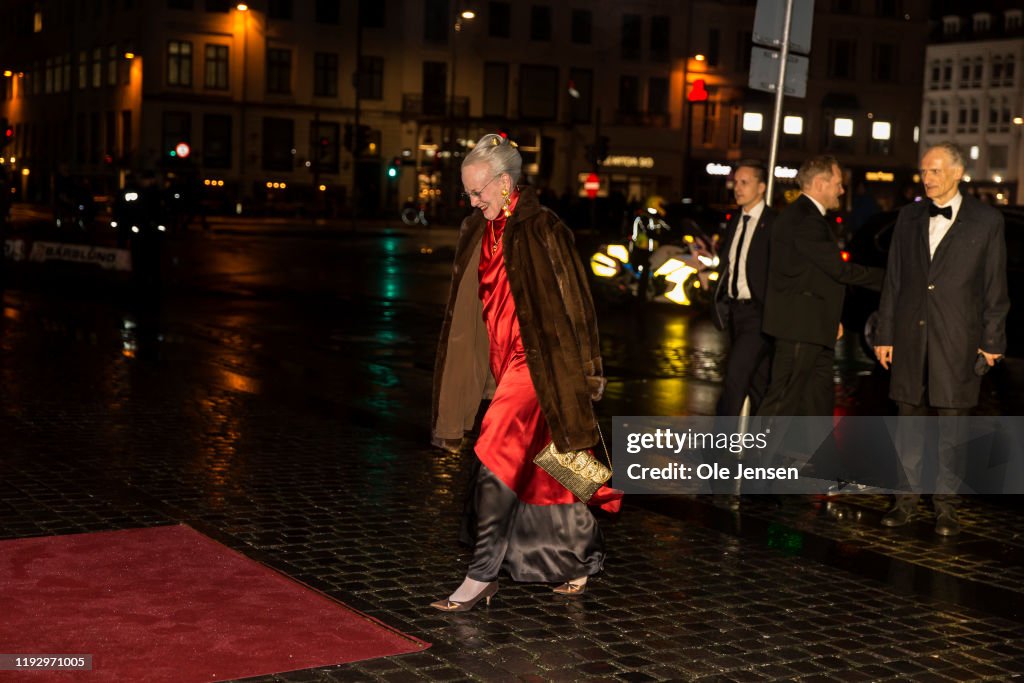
451	606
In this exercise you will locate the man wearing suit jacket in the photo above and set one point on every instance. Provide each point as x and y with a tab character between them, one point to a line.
739	299
943	309
807	280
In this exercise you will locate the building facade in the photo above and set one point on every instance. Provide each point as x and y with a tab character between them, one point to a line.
974	96
272	110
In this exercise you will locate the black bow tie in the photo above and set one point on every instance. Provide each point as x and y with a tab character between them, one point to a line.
946	211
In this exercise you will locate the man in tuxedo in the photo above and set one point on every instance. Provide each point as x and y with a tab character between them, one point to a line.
739	299
941	322
807	280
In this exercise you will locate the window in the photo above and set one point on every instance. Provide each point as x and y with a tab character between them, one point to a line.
435	85
979	69
998	156
950	25
280	9
325	146
325	74
744	46
965	73
579	107
279	71
936	69
713	41
887	8
993	115
659	38
961	120
947	74
436	23
883	62
112	59
216	141
179	63
839	130
997	71
495	89
538	92
841	58
629	94
631	29
881	138
373	13
499	19
1008	72
216	77
372	78
793	132
278	143
753	125
582	26
540	22
982	22
97	67
657	96
710	121
177	127
328	11
1013	20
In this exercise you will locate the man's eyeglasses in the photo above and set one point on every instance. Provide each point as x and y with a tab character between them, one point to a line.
475	194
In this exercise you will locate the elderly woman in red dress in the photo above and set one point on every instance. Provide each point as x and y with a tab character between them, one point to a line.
520	322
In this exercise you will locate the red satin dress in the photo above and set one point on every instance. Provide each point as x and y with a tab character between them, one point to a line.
514	430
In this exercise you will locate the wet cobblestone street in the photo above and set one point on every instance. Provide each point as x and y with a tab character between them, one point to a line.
291	423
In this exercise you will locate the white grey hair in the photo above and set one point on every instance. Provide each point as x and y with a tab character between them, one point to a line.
500	155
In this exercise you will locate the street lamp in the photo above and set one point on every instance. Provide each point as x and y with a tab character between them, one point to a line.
460	23
244	9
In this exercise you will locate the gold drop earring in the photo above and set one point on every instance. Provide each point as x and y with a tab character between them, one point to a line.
508	201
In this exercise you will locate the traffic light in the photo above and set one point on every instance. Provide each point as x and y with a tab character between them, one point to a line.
7	132
394	168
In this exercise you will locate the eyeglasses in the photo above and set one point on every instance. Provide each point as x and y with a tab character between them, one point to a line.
475	194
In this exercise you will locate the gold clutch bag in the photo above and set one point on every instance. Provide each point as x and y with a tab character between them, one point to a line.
579	471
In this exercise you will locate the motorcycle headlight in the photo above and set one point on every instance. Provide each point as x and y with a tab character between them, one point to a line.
603	266
618	251
707	261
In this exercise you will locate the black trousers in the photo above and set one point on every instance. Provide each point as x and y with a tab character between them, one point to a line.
801	380
911	443
749	363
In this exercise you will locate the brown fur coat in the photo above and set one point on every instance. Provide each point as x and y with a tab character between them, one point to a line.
556	321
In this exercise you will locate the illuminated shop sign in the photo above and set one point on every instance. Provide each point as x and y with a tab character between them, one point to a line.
629	162
879	177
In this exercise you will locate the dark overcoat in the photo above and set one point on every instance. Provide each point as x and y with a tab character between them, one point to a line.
938	311
757	264
807	277
557	324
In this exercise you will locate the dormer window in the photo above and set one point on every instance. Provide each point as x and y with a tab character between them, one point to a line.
1014	20
982	22
950	25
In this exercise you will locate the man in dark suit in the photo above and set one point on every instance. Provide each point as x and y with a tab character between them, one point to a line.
739	299
807	280
943	309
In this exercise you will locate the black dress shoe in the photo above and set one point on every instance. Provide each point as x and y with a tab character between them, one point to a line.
947	523
898	516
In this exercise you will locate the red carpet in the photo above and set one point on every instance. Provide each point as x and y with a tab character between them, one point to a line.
169	604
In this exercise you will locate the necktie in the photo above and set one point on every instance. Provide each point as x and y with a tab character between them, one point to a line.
946	211
734	281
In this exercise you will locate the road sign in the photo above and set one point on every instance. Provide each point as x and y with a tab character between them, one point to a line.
182	150
770	17
764	72
592	185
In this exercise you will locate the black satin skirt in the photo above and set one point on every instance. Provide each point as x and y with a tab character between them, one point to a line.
539	543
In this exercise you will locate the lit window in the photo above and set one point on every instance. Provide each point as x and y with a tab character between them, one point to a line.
753	121
843	128
880	130
793	125
975	151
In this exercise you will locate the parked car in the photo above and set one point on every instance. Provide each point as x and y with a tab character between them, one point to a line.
870	246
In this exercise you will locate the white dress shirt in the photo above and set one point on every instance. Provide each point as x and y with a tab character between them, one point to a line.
738	252
938	226
821	207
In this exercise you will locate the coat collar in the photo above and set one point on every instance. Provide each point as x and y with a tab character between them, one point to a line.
527	206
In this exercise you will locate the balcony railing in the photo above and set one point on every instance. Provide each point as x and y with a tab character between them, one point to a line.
414	105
